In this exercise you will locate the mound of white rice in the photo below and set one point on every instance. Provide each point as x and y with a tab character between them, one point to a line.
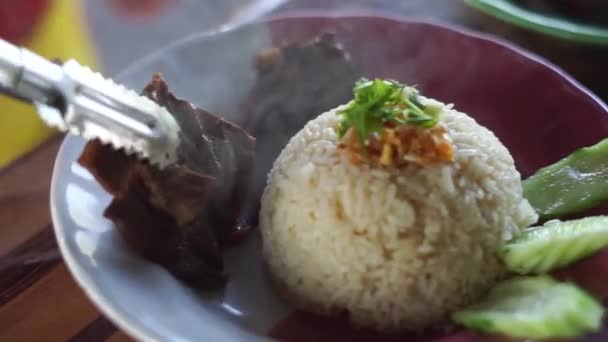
397	249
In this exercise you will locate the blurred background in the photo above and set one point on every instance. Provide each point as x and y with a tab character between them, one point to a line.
111	34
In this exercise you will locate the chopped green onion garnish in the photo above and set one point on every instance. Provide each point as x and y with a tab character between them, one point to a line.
379	102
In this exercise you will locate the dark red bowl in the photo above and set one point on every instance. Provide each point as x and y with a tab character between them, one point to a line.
540	113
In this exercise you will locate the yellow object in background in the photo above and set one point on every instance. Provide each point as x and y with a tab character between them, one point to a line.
61	33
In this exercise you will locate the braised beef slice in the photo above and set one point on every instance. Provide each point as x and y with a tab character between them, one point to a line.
295	83
218	148
109	168
189	252
181	217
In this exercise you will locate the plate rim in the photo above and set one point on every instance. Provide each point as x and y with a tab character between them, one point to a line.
91	290
136	329
550	25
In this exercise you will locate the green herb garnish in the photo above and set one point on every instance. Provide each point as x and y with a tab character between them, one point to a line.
379	102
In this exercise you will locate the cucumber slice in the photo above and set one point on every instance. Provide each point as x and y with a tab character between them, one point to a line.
536	308
523	285
555	244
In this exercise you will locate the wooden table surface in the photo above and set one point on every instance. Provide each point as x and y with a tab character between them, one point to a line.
39	300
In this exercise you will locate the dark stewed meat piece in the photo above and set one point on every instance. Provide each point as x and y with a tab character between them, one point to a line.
294	84
183	216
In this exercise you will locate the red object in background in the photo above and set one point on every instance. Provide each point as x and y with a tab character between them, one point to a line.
18	18
140	8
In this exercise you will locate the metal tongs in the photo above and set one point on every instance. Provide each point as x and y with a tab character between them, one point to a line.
75	99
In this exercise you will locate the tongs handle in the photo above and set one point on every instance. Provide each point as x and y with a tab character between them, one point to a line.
73	91
27	76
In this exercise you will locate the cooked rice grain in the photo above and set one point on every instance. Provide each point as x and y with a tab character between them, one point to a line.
398	249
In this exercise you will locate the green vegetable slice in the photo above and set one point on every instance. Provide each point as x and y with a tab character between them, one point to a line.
536	308
574	184
556	244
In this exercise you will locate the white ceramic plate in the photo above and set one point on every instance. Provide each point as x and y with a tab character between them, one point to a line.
140	297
